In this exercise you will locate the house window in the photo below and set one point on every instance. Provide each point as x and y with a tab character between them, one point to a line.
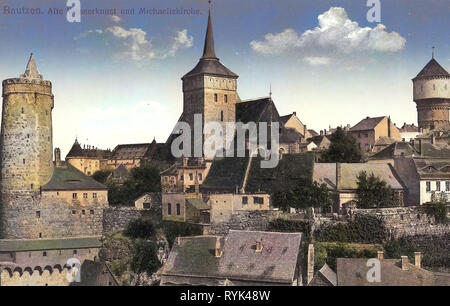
244	200
428	186
169	209
85	195
74	212
32	186
226	98
83	212
438	186
258	200
178	209
75	252
147	205
94	195
91	211
191	176
216	98
200	176
447	186
44	254
38	214
74	195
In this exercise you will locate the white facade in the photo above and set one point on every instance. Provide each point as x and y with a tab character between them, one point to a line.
430	187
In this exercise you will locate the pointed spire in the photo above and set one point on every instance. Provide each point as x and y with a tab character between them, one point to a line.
209	51
432	52
32	72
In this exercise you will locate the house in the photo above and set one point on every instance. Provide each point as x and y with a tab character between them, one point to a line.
342	179
291	121
409	131
242	258
369	130
147	200
393	272
87	159
318	143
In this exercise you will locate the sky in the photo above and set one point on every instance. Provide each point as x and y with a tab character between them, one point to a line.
116	79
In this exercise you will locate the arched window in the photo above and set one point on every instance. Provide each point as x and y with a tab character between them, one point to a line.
178	209
169	209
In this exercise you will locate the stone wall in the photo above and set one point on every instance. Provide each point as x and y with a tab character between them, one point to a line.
36	277
405	221
116	219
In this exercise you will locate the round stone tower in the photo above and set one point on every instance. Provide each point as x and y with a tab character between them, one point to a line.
432	96
26	140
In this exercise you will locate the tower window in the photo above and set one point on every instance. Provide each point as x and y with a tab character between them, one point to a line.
169	209
83	212
434	86
91	211
226	98
23	110
32	186
216	98
221	115
38	214
178	209
40	235
24	161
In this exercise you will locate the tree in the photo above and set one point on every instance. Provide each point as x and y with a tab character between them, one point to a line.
343	149
437	207
101	176
145	258
304	196
373	192
139	228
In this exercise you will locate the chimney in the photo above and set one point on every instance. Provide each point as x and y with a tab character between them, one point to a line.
259	246
218	248
389	126
338	175
294	113
310	267
404	263
321	132
418	259
57	157
380	255
185	162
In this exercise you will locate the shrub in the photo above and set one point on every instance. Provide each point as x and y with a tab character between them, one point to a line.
174	229
145	258
438	210
290	226
373	192
101	176
329	252
363	229
140	229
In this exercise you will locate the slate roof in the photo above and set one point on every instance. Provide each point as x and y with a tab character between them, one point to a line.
228	173
328	274
276	263
367	124
326	173
384	140
259	110
432	69
313	133
198	204
22	245
67	177
78	151
433	168
352	272
409	128
195	257
394	150
290	136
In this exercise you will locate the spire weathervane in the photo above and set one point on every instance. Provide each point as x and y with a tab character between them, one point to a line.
270	91
432	52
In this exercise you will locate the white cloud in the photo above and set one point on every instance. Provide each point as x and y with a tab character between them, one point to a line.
336	34
134	45
317	60
116	19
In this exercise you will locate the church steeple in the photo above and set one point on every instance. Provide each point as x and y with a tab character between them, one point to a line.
209	51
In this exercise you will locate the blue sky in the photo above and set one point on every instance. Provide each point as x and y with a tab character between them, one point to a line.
117	80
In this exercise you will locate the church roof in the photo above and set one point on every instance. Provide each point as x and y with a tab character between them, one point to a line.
209	63
432	69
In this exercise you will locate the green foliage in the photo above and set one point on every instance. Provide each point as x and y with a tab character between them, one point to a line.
373	192
101	176
363	229
305	195
140	229
329	252
145	258
290	226
437	209
143	179
118	268
435	249
343	149
174	229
